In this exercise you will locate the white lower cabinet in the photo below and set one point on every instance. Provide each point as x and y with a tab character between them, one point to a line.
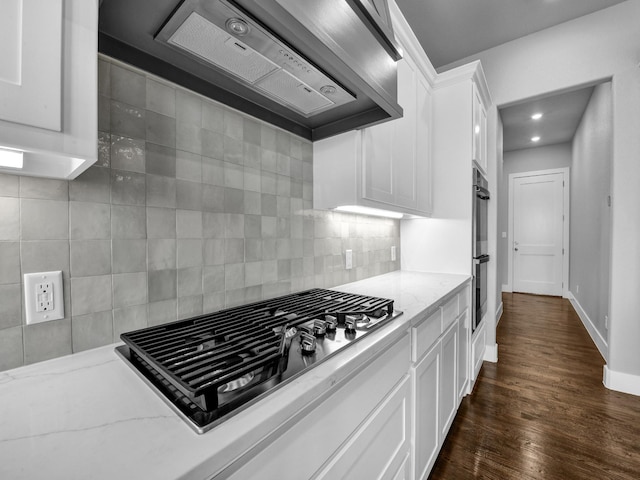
463	354
426	380
448	389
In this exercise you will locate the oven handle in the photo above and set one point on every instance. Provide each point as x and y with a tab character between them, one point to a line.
482	193
481	259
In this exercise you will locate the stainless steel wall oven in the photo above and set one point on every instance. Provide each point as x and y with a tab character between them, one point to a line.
480	246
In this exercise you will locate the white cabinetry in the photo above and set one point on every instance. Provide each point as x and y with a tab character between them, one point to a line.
463	353
448	391
48	85
359	431
386	166
479	125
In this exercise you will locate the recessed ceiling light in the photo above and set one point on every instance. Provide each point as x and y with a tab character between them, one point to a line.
536	116
535	139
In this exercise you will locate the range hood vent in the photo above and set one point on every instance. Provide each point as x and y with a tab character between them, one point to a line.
254	56
314	67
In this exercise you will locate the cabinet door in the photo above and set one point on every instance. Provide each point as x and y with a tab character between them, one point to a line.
379	448
463	354
448	401
479	125
31	63
377	165
426	384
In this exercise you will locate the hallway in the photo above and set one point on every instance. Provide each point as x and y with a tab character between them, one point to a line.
542	411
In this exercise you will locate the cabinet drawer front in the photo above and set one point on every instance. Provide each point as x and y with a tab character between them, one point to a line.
449	312
425	334
465	298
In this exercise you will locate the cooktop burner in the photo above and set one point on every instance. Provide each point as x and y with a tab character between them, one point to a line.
212	366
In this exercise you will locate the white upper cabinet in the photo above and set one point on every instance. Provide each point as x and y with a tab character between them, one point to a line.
48	86
386	166
479	152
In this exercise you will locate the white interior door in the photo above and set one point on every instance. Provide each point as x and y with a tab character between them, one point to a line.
538	234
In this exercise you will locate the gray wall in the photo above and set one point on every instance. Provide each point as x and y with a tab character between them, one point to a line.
589	260
518	161
190	208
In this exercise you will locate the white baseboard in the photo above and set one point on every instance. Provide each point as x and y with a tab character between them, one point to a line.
499	312
599	341
506	288
621	382
491	353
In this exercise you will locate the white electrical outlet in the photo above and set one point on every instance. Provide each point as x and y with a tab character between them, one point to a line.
393	253
348	259
43	296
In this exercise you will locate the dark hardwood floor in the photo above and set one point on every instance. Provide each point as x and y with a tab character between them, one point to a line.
542	411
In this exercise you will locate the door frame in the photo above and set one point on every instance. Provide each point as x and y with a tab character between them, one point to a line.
565	225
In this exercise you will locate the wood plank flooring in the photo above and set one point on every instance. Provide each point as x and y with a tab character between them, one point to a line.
542	411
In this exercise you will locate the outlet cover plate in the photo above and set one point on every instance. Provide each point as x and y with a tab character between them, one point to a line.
43	297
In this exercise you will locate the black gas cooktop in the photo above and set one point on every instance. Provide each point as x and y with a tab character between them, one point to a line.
212	366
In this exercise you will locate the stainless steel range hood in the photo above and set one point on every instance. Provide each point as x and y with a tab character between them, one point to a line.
314	67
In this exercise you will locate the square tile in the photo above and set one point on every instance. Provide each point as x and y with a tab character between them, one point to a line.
45	256
268	137
233	150
162	312
128	86
44	188
268	205
269	227
213	251
252	156
161	129
213	279
91	331
127	120
283	186
213	198
233	200
128	221
284	269
213	171
268	183
10	262
11	348
44	341
252	203
295	169
91	186
233	124
128	154
90	294
252	249
189	138
233	175
129	289
162	286
251	131
233	276
104	113
188	166
161	98
269	161
90	257
269	249
160	160
213	302
212	117
270	271
188	108
283	142
234	250
129	255
104	79
234	225
188	224
189	253
252	273
128	188
188	195
11	301
128	319
296	148
189	306
212	144
161	191
252	179
161	222
9	185
189	281
44	219
252	226
89	220
213	225
161	254
104	150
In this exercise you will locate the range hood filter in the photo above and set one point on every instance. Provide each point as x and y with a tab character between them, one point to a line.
257	58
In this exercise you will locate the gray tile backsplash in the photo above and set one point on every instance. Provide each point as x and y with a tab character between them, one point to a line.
191	207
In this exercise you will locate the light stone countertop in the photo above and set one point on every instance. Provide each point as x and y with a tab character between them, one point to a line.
88	415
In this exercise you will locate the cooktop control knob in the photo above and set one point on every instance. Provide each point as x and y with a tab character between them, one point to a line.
319	328
332	322
350	324
307	343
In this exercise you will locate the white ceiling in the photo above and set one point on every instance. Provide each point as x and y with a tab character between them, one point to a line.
561	116
453	29
450	30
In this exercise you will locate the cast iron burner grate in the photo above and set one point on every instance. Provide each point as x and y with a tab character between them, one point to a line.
208	366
